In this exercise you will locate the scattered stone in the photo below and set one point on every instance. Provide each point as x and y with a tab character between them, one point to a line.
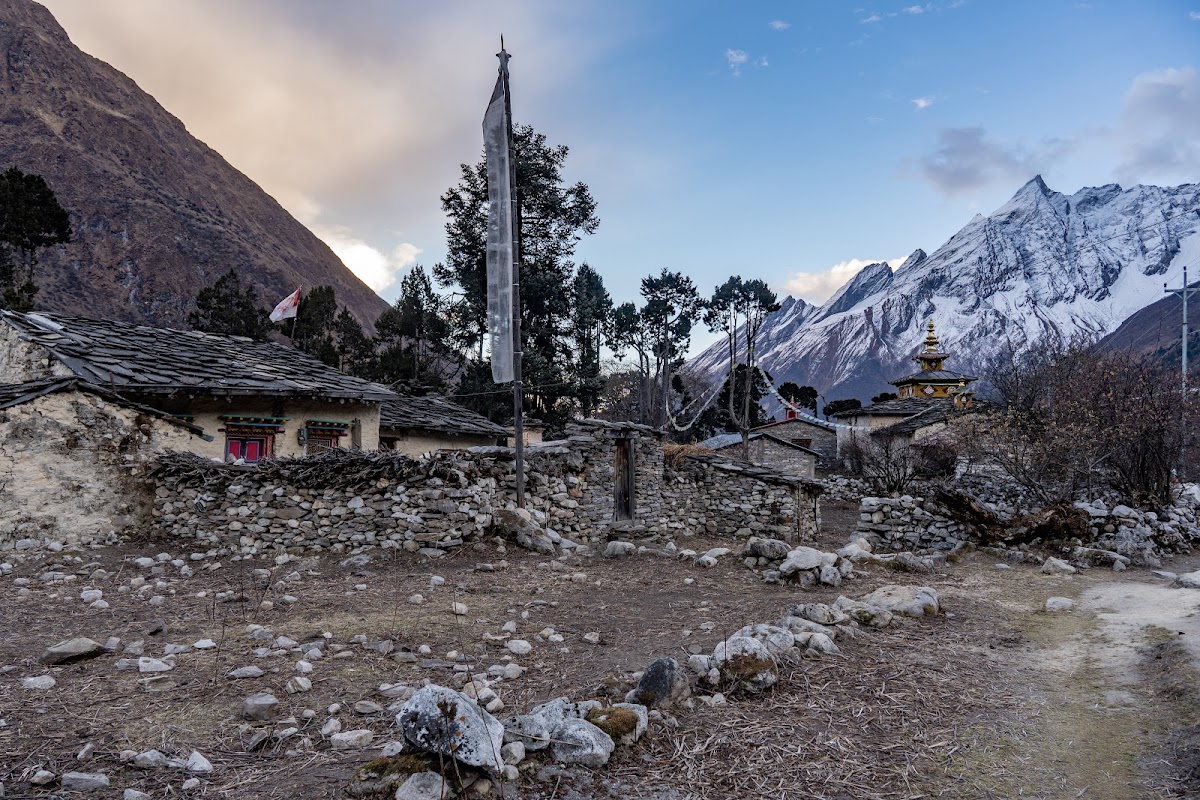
425	786
147	664
351	740
198	763
1056	604
70	651
245	672
441	720
577	741
260	706
592	638
83	781
802	558
298	685
134	794
459	609
664	684
365	707
519	647
1188	580
512	753
42	777
910	601
617	549
1056	566
39	682
746	663
151	759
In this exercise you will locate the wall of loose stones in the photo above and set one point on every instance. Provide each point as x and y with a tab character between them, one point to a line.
706	494
904	523
343	500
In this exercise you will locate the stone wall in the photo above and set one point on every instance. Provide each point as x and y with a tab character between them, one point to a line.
906	523
711	495
768	452
344	500
72	468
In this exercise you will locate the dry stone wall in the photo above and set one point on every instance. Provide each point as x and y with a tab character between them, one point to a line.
344	500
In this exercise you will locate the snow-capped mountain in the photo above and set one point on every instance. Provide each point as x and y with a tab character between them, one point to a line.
1043	262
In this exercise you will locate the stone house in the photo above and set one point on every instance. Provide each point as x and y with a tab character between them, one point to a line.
74	460
768	450
252	399
815	434
416	425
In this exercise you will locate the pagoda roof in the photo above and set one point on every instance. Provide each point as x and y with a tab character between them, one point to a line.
934	376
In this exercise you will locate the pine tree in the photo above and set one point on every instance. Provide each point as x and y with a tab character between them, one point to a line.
30	219
229	308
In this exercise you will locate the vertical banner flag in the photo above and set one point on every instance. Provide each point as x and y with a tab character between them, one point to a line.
287	307
499	232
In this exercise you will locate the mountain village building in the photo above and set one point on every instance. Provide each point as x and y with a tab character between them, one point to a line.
768	450
925	400
251	399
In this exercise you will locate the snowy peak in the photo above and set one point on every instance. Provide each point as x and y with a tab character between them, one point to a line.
869	281
1042	263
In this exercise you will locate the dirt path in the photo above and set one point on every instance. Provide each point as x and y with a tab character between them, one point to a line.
1096	697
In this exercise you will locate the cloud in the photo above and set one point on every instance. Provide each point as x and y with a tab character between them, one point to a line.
913	10
359	117
923	103
762	62
967	158
736	60
778	25
873	18
1159	128
817	287
1194	16
375	268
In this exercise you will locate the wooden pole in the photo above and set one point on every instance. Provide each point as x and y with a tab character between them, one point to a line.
514	198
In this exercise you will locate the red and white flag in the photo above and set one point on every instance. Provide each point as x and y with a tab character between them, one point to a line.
287	307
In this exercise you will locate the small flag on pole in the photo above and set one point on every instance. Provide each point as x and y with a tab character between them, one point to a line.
287	307
499	228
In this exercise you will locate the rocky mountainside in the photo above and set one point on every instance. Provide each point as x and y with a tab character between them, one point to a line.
1043	263
157	215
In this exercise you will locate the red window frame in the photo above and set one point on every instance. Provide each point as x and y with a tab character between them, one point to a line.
251	449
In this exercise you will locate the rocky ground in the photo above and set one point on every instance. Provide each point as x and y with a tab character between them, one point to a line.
994	697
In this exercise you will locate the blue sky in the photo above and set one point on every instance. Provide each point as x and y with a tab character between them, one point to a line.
791	141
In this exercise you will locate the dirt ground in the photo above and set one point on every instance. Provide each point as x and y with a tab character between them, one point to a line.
994	698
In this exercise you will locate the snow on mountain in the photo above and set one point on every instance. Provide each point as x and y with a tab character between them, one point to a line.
1042	263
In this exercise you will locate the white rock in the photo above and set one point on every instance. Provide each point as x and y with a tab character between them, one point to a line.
1056	566
1188	580
351	740
83	781
39	682
441	720
298	685
424	786
519	647
198	763
1055	604
245	672
911	601
147	664
747	662
459	609
331	726
577	741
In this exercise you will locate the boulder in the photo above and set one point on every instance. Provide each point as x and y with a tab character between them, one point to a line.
70	651
1056	566
910	601
800	559
83	781
577	741
819	613
746	663
441	720
771	549
664	684
260	706
425	786
618	549
778	640
1056	604
1188	580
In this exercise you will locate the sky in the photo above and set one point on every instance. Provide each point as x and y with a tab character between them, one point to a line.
793	141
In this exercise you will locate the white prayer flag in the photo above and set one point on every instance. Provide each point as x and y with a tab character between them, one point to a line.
499	230
287	307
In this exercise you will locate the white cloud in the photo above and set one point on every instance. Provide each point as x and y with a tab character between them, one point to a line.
923	103
1159	128
873	18
762	62
736	60
779	25
913	10
967	159
817	287
1194	16
375	268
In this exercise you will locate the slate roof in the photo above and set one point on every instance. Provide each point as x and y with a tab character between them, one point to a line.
433	413
900	407
16	394
144	360
808	420
934	375
724	440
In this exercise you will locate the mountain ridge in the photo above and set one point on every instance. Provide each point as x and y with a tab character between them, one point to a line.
157	215
1043	263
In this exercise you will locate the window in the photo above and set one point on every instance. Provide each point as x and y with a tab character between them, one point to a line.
250	439
320	435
